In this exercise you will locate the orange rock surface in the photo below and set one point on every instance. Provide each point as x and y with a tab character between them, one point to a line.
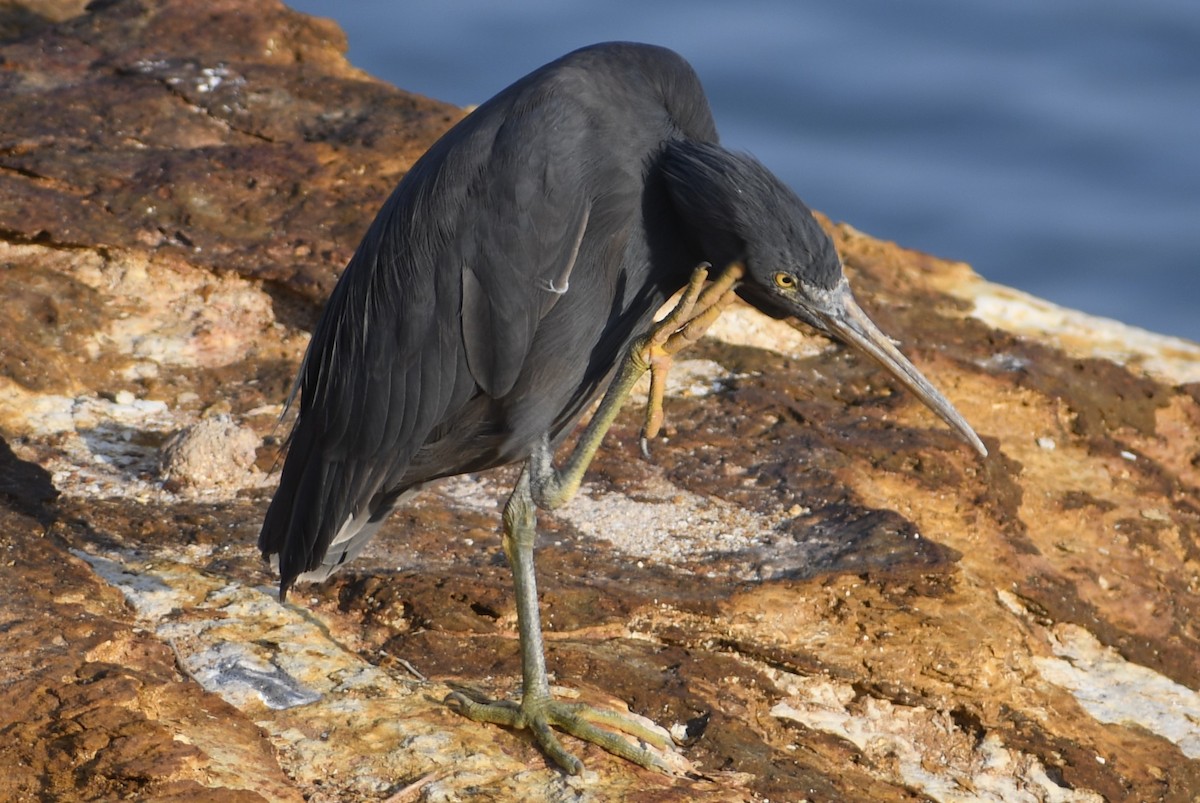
814	584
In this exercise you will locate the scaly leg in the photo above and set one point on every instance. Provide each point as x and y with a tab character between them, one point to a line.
683	327
537	710
697	309
541	485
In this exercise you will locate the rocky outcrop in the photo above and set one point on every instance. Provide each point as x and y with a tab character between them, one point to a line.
813	583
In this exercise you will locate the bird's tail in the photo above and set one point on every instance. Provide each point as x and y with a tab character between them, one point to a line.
317	521
347	543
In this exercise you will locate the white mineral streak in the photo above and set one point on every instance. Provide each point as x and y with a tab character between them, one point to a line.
923	748
1079	334
659	522
1114	690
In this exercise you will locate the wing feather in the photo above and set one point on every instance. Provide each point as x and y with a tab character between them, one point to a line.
453	277
436	314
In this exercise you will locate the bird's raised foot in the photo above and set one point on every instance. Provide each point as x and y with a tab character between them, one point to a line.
697	310
542	716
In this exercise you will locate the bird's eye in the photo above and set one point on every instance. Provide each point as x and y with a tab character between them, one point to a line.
785	281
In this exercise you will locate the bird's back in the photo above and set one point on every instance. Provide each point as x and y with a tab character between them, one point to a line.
491	296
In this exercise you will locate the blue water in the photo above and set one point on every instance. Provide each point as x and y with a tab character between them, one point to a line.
1054	145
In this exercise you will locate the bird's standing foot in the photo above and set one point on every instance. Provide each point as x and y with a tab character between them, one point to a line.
541	715
697	310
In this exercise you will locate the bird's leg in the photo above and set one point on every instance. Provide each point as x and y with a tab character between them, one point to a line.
541	485
696	311
538	711
698	308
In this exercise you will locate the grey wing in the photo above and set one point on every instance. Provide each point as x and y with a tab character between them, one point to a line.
440	303
381	370
520	245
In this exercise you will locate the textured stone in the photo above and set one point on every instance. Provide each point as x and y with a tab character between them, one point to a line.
214	454
813	584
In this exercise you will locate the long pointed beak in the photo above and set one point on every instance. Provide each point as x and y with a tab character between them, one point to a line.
846	320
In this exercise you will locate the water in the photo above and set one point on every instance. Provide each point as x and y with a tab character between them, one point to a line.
1055	146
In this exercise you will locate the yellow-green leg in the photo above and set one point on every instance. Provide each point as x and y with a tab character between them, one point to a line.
541	485
538	711
697	309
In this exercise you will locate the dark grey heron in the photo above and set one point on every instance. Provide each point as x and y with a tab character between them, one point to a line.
512	275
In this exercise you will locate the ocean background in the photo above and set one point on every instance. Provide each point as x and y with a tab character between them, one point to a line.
1055	146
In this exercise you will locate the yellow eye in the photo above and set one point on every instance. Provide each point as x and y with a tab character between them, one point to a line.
785	281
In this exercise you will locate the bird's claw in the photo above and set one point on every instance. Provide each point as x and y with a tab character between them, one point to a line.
542	716
697	310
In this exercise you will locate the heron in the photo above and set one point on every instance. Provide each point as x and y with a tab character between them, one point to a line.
509	281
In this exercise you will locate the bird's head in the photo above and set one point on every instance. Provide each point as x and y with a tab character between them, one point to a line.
738	211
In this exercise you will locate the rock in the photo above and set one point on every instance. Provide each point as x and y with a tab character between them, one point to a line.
215	453
813	583
92	704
